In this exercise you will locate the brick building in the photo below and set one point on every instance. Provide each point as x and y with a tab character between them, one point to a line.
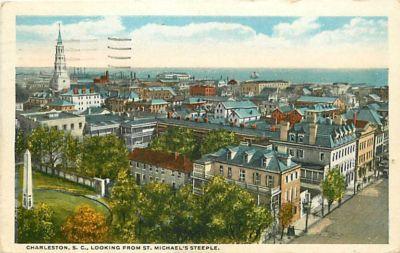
202	90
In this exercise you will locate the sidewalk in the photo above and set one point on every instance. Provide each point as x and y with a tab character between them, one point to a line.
314	217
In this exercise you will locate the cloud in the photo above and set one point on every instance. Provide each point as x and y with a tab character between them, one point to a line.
300	27
359	31
300	43
84	30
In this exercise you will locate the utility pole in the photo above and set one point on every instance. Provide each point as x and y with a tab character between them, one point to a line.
274	228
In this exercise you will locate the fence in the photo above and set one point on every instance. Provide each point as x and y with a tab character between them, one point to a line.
98	184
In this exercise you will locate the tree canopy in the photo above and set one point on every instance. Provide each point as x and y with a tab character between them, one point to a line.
176	139
85	226
217	139
333	186
285	215
103	156
35	225
225	213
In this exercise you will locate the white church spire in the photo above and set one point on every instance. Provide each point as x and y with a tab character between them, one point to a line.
60	79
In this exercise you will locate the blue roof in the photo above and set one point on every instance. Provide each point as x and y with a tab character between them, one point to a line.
158	102
61	103
238	104
246	113
161	89
313	99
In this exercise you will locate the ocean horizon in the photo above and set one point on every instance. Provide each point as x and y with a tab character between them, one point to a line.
368	76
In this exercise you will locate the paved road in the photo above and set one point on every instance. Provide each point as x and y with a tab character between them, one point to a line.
362	219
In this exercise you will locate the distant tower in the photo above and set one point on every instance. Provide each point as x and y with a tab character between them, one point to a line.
60	79
27	200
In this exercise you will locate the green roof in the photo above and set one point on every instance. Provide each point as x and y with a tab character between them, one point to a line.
61	103
313	99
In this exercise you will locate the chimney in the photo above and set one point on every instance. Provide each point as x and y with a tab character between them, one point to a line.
313	133
338	120
284	129
83	90
355	118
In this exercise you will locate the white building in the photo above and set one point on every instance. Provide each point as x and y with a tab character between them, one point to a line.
242	116
225	109
60	79
83	98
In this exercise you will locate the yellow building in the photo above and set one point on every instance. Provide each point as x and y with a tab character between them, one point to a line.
365	152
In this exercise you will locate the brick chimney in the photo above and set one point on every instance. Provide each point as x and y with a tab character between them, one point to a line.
284	129
313	133
355	118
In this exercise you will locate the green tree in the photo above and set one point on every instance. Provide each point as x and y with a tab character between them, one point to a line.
46	145
217	139
71	151
230	215
35	225
155	214
103	156
20	143
333	187
124	203
176	139
85	226
285	216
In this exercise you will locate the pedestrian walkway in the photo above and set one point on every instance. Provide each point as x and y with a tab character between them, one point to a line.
314	218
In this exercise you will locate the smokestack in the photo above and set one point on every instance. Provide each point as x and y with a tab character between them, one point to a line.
284	129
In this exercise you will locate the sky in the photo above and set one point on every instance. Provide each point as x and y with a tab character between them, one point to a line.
205	41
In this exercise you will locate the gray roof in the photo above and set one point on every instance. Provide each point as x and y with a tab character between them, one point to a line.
313	99
365	114
275	162
328	135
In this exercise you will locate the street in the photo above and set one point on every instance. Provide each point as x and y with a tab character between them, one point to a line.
362	219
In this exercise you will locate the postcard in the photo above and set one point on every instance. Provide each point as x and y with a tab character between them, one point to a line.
187	126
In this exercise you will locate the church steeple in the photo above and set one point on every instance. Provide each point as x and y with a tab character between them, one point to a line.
60	80
59	40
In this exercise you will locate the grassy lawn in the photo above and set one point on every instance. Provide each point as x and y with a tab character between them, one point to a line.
41	180
64	205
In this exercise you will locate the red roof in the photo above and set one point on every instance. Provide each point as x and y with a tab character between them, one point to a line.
162	159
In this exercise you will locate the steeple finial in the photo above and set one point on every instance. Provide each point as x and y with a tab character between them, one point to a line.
59	40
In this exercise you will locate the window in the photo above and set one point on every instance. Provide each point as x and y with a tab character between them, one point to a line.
301	137
65	127
270	181
179	174
137	164
292	137
221	170
300	153
242	175
72	126
151	179
295	175
229	172
80	125
321	156
144	177
291	152
287	179
172	173
256	178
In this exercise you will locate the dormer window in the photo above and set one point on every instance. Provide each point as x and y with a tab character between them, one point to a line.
300	138
229	155
292	137
246	158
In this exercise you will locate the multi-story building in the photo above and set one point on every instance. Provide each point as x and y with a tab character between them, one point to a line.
305	101
239	117
271	177
102	124
365	152
137	132
60	120
202	90
83	97
255	87
224	109
39	99
118	103
156	166
61	105
319	146
157	93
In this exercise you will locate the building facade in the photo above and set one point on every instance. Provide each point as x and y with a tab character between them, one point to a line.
202	90
155	166
83	98
272	178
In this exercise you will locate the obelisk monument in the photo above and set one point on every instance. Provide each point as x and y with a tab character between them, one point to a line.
27	200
